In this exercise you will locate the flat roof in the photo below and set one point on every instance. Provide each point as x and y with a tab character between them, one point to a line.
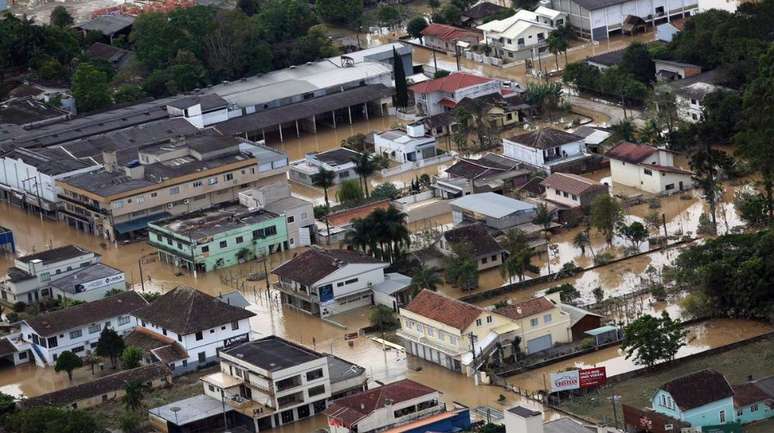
393	282
377	53
492	204
51	161
273	353
107	24
214	220
84	275
190	410
339	369
22	111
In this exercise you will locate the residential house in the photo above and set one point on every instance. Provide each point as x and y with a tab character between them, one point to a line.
495	210
27	280
276	198
547	149
396	291
339	160
446	38
541	323
107	388
754	400
218	237
646	420
336	225
445	331
499	110
703	398
522	35
519	419
690	100
118	58
598	20
666	32
668	70
647	168
327	282
606	60
273	382
411	145
593	137
13	350
109	26
481	12
572	193
492	172
88	284
169	178
77	328
476	242
201	325
443	94
379	409
581	321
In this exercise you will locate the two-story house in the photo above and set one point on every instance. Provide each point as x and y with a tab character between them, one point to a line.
690	100
522	35
199	324
572	193
77	329
474	240
546	149
647	168
28	279
443	37
703	398
341	161
326	282
411	145
447	331
299	213
383	408
443	94
541	323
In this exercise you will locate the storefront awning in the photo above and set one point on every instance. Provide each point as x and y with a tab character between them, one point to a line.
139	223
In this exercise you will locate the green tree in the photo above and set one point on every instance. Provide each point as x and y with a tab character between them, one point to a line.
557	43
752	207
599	294
386	190
638	62
721	117
582	75
544	218
581	241
606	215
248	7
130	422
623	130
110	345
60	17
415	26
461	268
131	357
355	142
90	88
7	404
350	193
325	179
636	233
49	419
424	278
652	339
91	359
388	15
546	97
401	89
706	164
127	93
67	361
134	393
568	294
341	12
383	318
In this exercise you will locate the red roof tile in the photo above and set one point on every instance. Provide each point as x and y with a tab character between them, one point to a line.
315	263
526	308
572	183
631	152
450	83
346	216
448	33
699	388
448	311
748	393
448	103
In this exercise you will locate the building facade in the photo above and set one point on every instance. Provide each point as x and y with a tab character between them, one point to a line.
647	168
411	145
442	94
542	324
522	35
545	149
340	161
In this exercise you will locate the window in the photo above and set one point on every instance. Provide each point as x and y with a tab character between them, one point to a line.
197	184
239	239
174	190
45	276
206	249
202	357
722	416
574	197
648	172
234	326
441	335
123	320
228	176
212	388
270	231
483	261
350	281
154	194
95	328
669	187
179	245
494	258
488	319
212	181
199	336
223	244
52	342
478	322
739	412
314	374
76	334
533	322
316	390
547	318
565	194
754	408
430	331
453	339
291	219
77	349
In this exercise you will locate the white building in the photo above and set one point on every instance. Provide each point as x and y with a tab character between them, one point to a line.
382	408
495	210
200	110
541	323
723	5
690	100
339	160
647	168
28	279
276	198
77	329
519	419
411	145
194	321
523	34
88	284
546	148
443	94
327	282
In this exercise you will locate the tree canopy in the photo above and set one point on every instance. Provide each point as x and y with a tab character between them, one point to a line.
652	339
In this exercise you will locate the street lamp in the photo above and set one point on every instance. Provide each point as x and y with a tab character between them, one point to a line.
175	410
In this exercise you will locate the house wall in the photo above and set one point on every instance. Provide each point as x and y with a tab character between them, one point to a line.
95	290
666	32
30	291
558	326
708	414
587	323
347	296
402	151
385	416
522	153
689	110
449	46
754	412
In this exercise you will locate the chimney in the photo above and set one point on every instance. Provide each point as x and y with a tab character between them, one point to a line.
519	419
416	129
109	159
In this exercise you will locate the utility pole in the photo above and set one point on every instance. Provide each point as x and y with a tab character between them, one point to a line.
472	338
614	398
142	280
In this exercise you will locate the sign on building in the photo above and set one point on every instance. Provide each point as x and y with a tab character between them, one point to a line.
577	379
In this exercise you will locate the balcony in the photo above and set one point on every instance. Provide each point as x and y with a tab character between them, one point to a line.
289	383
248	407
290	400
288	288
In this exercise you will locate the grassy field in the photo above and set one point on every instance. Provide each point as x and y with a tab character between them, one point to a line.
756	359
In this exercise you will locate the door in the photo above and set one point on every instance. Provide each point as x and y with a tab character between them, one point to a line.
538	344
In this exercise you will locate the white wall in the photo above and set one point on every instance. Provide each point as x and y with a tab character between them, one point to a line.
385	416
13	171
522	153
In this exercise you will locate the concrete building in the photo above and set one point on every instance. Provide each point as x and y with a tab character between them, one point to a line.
411	145
519	419
667	70
443	37
571	191
28	112
339	161
88	284
381	54
490	173
522	35
541	323
218	237
495	210
666	32
198	323
647	168
690	100
77	329
168	178
379	409
547	149
442	94
28	279
474	240
599	19
276	198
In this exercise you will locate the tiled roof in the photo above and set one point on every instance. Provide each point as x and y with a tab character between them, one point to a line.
668	169
447	32
608	59
572	183
476	237
698	389
748	393
452	312
344	217
56	254
631	152
527	308
450	83
83	314
165	349
483	10
545	138
349	410
185	310
315	263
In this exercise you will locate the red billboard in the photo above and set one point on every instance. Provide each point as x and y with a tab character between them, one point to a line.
592	377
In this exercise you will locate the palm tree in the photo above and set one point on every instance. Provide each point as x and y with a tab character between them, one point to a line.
543	217
134	393
324	179
424	278
396	232
519	255
581	240
365	166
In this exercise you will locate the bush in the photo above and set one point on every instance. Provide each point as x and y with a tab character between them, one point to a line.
383	318
19	307
604	258
386	190
320	211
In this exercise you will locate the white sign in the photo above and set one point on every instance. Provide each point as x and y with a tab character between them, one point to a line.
102	282
565	380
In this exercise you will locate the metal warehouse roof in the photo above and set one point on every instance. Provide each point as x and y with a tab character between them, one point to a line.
492	204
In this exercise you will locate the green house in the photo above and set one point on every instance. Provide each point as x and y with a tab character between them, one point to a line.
218	237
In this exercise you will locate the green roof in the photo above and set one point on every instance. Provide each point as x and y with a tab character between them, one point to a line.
602	330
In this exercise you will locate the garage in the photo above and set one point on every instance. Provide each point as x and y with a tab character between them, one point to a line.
538	344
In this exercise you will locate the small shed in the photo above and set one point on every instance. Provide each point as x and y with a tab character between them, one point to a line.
605	334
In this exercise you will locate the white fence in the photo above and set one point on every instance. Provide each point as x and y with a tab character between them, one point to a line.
413	165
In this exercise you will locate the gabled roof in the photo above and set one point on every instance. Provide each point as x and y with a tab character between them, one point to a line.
526	308
447	32
572	183
632	153
185	310
611	58
80	315
450	83
315	264
576	314
545	138
349	410
483	10
449	311
699	388
476	238
56	254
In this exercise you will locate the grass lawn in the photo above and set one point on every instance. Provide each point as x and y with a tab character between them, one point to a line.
756	359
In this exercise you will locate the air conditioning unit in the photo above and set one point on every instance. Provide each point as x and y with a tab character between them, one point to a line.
170	205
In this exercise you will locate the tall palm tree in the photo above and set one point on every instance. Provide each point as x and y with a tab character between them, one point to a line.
397	235
365	166
543	218
324	179
424	278
519	255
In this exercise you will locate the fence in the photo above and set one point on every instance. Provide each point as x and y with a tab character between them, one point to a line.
413	165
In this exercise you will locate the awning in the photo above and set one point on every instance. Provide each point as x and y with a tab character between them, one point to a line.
601	330
139	223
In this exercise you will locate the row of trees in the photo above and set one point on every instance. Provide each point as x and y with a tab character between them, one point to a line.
383	234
